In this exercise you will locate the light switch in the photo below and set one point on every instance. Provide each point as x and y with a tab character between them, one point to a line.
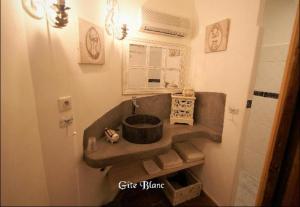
64	103
233	110
66	121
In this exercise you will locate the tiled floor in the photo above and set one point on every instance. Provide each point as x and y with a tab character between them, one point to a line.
154	198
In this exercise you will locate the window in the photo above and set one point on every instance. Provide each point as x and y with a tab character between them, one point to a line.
152	67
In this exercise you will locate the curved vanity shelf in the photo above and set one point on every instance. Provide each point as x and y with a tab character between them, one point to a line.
208	123
109	154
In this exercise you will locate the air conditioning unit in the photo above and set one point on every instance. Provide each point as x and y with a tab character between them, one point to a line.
164	24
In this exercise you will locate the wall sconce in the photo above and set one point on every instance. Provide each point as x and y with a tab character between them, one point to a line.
34	8
61	18
112	25
56	12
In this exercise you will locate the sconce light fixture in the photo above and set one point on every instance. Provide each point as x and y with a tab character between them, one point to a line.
112	21
56	12
34	8
61	18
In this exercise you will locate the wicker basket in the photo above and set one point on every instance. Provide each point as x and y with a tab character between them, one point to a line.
181	186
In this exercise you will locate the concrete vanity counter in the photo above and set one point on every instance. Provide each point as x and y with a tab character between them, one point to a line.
108	154
208	117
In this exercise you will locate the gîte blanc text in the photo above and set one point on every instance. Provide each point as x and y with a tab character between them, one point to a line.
145	185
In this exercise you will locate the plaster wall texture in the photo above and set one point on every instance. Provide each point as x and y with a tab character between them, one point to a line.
41	65
51	70
23	179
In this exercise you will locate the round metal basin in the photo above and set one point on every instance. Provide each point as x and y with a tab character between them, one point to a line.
142	129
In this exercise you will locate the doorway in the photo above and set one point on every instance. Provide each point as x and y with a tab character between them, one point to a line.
278	19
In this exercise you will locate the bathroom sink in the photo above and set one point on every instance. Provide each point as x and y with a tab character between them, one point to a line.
142	129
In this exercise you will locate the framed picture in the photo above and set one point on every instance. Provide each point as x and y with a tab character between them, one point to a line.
91	43
217	36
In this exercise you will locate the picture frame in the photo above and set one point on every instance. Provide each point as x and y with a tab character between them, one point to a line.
91	43
217	34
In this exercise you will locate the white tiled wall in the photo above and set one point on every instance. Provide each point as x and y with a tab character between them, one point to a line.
278	19
260	123
270	67
269	75
248	186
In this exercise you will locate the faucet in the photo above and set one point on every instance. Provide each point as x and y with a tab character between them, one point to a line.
134	104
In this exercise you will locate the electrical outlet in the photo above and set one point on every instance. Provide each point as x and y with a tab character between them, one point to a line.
64	103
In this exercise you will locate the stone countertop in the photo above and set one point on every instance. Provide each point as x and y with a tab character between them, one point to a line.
109	154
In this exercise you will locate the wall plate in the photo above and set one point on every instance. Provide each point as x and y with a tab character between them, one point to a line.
64	103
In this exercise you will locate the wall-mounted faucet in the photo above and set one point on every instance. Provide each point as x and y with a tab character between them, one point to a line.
134	104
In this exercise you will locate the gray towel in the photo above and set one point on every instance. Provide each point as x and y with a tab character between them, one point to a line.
188	152
151	167
169	160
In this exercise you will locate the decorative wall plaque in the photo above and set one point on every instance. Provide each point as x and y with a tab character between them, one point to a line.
91	43
217	36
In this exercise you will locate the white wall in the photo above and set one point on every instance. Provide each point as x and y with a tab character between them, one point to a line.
52	71
23	180
50	58
228	72
278	21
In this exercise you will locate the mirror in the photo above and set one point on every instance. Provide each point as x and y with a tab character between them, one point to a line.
152	67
